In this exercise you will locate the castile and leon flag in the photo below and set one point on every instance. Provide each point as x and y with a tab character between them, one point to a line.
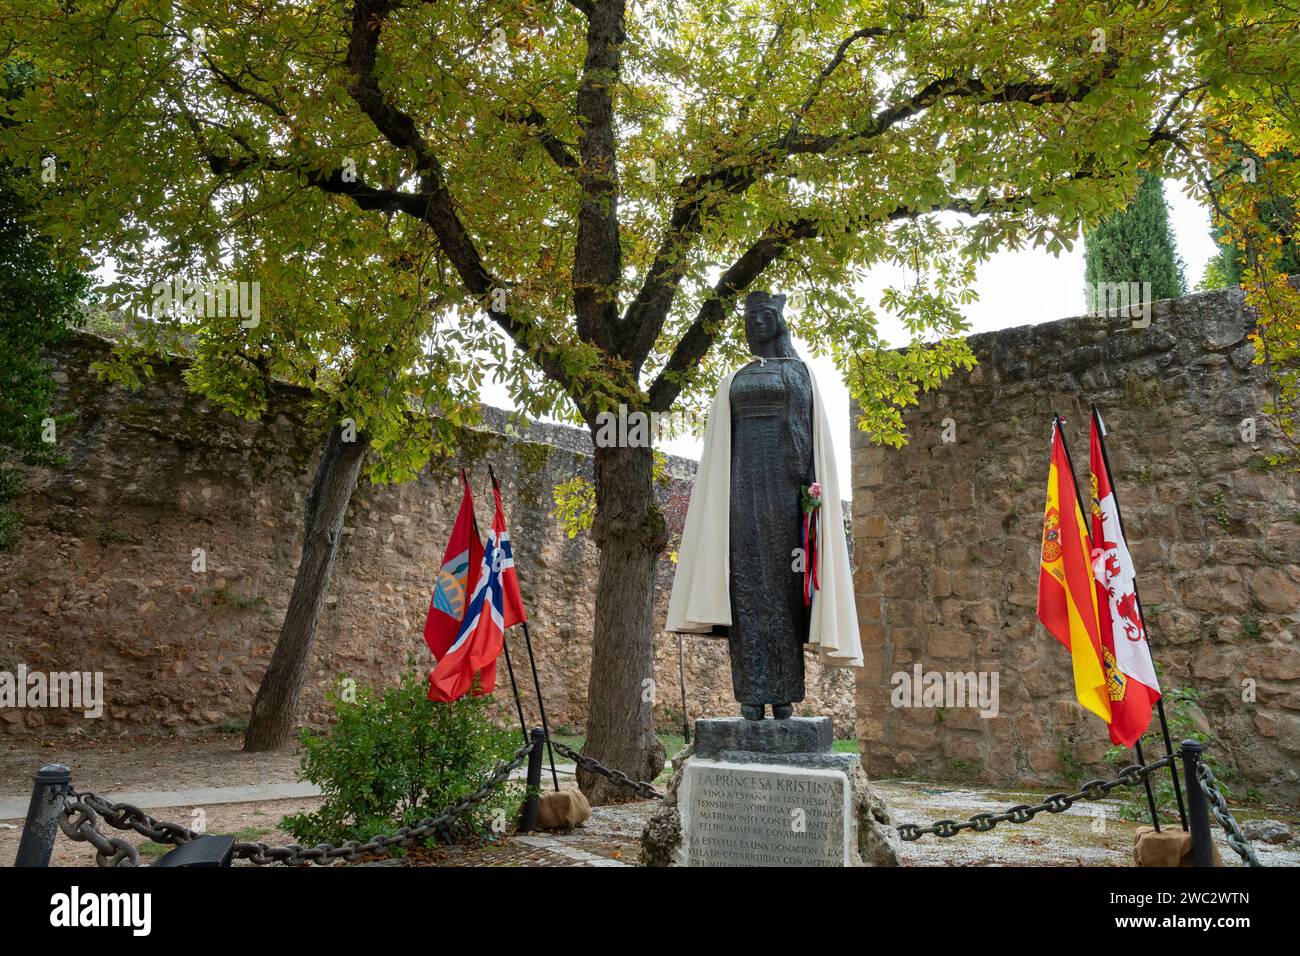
1131	683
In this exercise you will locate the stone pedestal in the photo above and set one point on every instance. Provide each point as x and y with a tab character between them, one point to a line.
768	793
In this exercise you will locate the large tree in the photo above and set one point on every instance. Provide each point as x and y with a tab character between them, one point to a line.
571	196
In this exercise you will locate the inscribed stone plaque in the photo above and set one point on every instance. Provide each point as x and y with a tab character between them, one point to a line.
751	814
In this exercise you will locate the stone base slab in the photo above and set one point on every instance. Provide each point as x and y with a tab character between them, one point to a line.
792	735
737	807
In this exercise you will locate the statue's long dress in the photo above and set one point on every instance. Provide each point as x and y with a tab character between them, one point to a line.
771	462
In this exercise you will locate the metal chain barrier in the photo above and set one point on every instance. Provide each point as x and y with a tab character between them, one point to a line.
1219	807
82	813
642	788
1131	776
87	808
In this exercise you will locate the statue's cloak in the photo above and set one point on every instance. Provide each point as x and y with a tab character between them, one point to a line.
701	596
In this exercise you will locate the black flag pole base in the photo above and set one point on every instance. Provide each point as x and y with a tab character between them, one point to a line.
1146	781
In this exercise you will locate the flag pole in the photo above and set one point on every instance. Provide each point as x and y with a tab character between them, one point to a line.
514	688
532	662
1083	513
1160	701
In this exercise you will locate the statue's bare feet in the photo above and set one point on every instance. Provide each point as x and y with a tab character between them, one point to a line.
751	711
782	711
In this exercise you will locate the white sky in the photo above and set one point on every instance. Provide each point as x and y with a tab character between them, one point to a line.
1015	288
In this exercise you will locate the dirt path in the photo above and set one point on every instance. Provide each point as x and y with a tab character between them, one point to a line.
141	763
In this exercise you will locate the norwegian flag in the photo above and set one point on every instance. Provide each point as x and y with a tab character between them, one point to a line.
513	602
482	632
1130	673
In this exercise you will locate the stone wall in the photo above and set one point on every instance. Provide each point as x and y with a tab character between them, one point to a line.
948	537
103	582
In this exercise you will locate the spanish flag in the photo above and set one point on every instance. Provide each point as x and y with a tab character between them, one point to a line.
1067	594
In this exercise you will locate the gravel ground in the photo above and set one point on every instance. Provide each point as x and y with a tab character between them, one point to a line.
1084	835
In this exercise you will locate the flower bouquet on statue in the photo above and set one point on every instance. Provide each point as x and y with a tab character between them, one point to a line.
812	503
812	497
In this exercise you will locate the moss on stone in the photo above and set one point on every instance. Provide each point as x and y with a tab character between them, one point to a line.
473	445
533	456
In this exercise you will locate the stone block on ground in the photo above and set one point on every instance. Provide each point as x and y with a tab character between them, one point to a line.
1266	831
562	809
1169	847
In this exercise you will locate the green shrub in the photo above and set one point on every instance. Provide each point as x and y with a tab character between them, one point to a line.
395	757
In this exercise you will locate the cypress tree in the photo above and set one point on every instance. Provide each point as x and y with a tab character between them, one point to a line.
1136	245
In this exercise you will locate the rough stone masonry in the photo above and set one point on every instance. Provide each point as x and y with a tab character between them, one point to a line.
947	533
103	578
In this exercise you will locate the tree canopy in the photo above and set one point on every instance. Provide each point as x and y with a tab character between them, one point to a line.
568	196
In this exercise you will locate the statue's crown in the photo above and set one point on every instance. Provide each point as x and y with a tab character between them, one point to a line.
756	301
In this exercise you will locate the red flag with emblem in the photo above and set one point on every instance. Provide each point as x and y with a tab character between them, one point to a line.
455	580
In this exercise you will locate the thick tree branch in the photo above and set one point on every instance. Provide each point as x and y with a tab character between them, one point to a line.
436	206
555	147
598	258
699	336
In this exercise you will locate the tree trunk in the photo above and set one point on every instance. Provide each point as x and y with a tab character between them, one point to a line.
273	722
629	531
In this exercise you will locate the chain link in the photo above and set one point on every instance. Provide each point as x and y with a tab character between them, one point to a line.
1219	807
1130	776
109	851
641	787
87	808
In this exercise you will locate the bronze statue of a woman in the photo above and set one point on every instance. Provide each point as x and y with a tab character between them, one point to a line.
758	562
771	465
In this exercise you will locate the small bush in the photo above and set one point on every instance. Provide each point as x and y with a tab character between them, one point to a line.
395	757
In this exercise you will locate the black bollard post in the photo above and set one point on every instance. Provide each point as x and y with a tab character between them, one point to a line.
1198	813
49	786
535	757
